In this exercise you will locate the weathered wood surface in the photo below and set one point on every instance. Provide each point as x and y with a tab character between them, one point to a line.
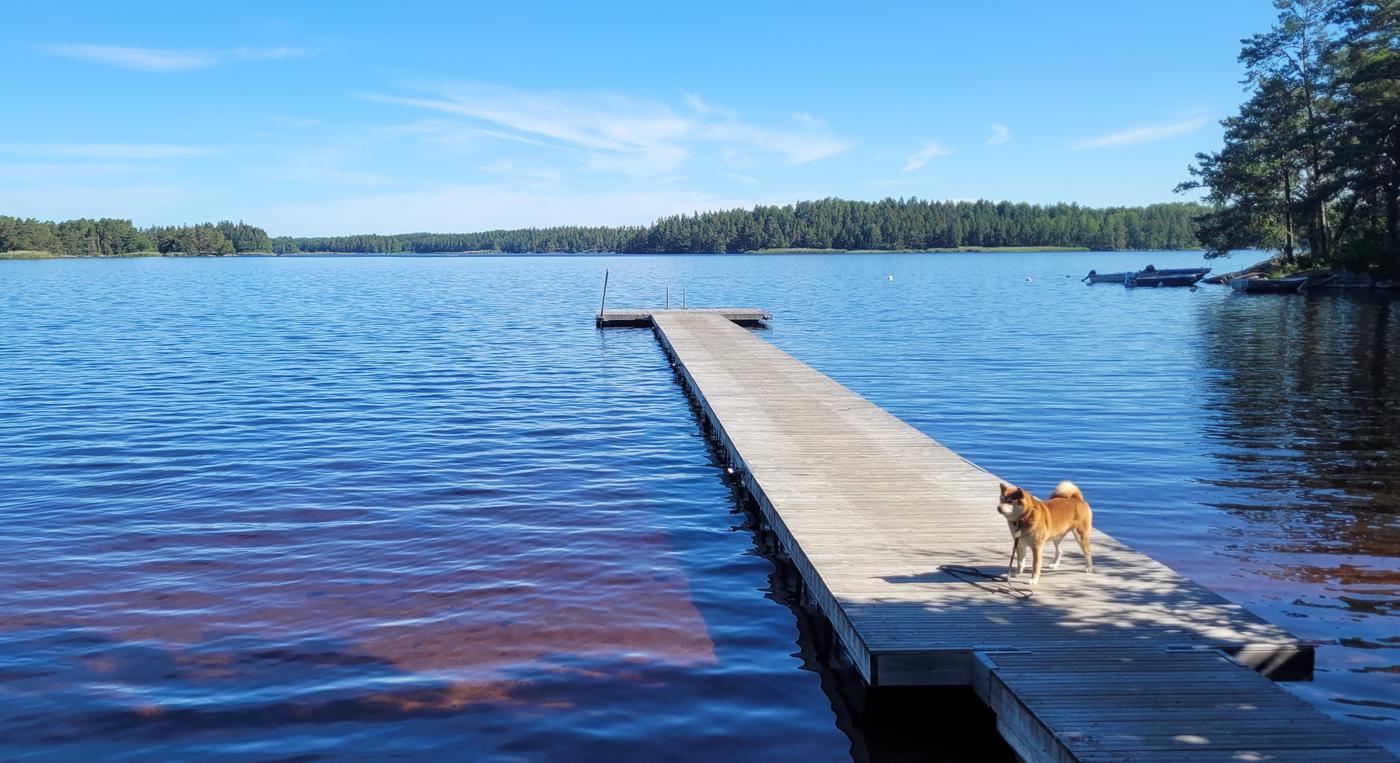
1151	705
869	508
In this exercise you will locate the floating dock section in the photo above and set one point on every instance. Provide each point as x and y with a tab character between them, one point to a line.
1131	663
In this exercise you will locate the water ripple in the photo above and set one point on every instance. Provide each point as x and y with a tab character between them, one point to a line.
299	508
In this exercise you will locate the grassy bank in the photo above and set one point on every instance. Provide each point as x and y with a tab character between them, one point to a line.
27	254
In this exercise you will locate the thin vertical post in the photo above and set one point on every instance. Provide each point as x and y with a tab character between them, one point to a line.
605	294
668	296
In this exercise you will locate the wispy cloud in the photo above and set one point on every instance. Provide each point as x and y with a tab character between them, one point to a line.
620	133
483	207
1143	134
165	59
922	156
1000	134
103	150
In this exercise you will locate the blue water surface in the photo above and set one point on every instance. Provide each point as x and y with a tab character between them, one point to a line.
340	507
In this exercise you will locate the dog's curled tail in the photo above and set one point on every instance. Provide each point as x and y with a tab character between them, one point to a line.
1067	489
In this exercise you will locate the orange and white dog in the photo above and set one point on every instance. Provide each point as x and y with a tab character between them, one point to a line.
1033	522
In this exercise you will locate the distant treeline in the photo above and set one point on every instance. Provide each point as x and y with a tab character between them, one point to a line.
823	224
564	239
114	238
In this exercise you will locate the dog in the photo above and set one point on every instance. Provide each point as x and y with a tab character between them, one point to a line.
1033	522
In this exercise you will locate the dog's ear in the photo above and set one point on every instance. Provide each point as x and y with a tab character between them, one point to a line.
1005	488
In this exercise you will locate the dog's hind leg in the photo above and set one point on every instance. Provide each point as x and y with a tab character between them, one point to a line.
1055	565
1082	535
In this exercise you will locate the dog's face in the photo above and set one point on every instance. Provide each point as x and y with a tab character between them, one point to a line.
1013	502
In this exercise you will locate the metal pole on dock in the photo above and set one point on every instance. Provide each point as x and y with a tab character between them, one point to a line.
668	296
605	294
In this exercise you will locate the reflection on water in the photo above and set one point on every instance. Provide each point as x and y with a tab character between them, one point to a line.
1304	395
419	507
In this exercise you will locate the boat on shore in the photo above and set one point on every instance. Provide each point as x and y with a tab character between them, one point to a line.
1261	285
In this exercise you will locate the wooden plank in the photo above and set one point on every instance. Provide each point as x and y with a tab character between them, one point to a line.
1153	704
872	511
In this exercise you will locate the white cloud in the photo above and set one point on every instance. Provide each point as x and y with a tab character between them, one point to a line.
483	207
619	133
165	59
922	156
1143	134
103	150
1000	134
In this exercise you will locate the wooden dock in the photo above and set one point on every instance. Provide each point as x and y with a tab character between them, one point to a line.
1133	662
744	316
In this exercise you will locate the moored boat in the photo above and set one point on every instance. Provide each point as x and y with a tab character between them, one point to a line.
1255	285
1151	277
1097	277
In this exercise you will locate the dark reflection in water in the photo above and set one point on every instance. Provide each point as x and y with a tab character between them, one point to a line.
1306	393
1304	396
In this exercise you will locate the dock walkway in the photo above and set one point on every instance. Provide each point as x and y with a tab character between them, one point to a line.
1128	663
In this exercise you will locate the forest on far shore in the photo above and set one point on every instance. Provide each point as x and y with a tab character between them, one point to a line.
891	224
110	237
826	224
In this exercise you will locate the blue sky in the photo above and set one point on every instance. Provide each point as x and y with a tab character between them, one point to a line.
329	118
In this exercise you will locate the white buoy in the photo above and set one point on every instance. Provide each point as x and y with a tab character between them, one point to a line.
889	277
1028	279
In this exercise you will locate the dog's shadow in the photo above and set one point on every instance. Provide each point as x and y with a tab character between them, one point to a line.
958	574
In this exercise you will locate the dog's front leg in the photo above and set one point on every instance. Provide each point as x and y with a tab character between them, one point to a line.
1037	556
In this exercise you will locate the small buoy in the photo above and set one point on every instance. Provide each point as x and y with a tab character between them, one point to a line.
889	277
1028	279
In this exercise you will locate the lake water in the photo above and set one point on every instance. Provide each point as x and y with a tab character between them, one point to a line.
295	508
